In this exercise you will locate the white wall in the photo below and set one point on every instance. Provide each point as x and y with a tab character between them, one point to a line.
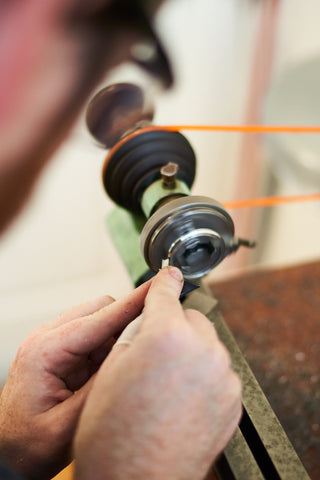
294	229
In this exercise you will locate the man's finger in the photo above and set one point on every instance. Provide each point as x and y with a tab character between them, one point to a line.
129	332
85	334
82	310
162	302
126	338
65	415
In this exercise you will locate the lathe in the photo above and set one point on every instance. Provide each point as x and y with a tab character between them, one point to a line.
148	173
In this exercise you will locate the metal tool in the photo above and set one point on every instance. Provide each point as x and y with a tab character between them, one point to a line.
150	173
195	233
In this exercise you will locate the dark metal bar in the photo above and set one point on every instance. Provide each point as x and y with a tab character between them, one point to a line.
242	465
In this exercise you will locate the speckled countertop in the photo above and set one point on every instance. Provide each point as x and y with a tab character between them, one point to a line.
275	317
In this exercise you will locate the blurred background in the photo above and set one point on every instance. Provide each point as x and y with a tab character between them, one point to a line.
235	62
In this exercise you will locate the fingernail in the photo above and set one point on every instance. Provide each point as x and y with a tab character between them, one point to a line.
175	273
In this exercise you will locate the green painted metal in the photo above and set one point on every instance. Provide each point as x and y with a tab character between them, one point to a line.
124	229
157	191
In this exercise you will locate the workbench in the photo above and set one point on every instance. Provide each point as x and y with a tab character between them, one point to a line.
274	316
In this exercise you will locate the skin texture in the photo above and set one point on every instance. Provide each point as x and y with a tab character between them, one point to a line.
39	408
52	54
164	406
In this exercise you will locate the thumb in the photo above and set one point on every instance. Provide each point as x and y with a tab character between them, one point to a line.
162	303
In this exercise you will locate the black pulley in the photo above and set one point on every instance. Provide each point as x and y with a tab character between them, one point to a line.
136	164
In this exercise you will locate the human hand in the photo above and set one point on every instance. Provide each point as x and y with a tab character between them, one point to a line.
165	405
49	381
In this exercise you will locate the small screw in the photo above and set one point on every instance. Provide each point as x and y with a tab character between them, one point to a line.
168	173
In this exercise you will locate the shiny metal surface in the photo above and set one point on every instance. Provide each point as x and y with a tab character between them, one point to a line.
194	232
116	111
200	248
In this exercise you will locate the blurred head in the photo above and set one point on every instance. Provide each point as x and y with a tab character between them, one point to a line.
52	53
